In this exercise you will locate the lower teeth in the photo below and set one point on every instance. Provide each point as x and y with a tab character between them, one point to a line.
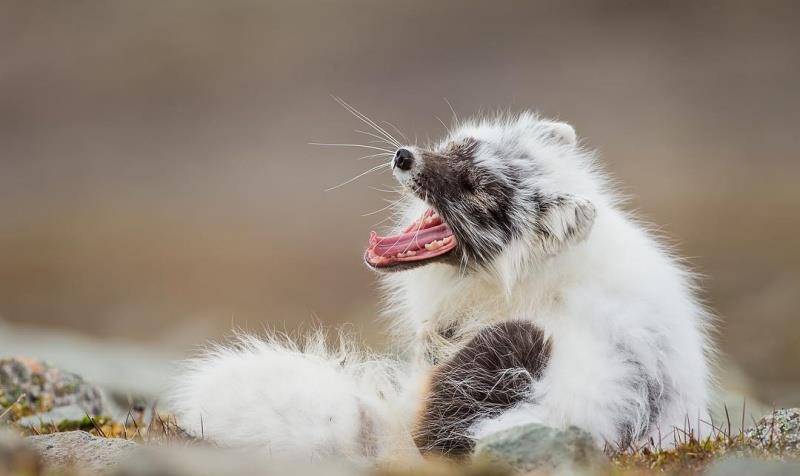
406	254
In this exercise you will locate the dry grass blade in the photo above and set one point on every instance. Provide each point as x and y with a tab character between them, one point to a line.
728	417
135	424
8	410
741	427
95	425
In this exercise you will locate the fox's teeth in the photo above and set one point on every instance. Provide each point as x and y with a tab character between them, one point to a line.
435	245
411	253
447	240
435	216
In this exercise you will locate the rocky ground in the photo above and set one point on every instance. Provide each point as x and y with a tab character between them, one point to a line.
54	422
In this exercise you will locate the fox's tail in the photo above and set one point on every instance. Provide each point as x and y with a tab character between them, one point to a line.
297	399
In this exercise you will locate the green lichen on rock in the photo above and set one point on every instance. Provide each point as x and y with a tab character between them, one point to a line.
778	431
536	447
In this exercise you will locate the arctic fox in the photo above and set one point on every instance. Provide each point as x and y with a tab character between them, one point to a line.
522	293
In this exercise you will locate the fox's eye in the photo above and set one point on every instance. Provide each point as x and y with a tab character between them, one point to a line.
469	185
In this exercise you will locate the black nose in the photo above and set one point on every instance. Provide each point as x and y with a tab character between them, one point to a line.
403	159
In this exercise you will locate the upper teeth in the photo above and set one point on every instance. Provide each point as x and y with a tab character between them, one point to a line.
433	217
432	246
435	245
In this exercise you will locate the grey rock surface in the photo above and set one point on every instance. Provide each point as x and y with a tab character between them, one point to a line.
777	431
536	447
45	387
204	460
80	450
734	466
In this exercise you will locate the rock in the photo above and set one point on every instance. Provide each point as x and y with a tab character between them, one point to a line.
122	369
45	388
203	460
536	447
778	431
737	466
16	456
81	450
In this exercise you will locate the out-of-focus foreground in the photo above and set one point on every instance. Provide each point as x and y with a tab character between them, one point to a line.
156	182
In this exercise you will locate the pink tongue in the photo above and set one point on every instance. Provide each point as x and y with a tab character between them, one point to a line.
413	240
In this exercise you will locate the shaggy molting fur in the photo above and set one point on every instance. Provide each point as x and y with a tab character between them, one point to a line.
541	238
541	241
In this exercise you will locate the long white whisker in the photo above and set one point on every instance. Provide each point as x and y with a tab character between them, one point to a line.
363	118
442	122
392	216
382	139
414	239
396	129
357	177
379	154
455	116
416	233
393	203
384	190
353	145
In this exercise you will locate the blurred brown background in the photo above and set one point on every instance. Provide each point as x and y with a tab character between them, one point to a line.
156	182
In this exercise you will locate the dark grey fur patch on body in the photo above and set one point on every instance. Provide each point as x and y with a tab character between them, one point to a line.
492	373
657	396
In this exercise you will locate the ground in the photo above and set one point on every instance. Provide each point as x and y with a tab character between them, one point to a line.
35	397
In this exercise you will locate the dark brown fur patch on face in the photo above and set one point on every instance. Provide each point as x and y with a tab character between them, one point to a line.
492	373
473	199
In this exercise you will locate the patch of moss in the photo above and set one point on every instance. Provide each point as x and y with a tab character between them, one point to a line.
161	428
689	457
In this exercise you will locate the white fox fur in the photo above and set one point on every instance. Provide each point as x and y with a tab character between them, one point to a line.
295	398
630	351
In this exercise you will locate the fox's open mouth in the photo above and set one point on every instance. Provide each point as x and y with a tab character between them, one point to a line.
427	238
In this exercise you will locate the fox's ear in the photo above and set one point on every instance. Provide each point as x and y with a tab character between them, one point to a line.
562	132
564	220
